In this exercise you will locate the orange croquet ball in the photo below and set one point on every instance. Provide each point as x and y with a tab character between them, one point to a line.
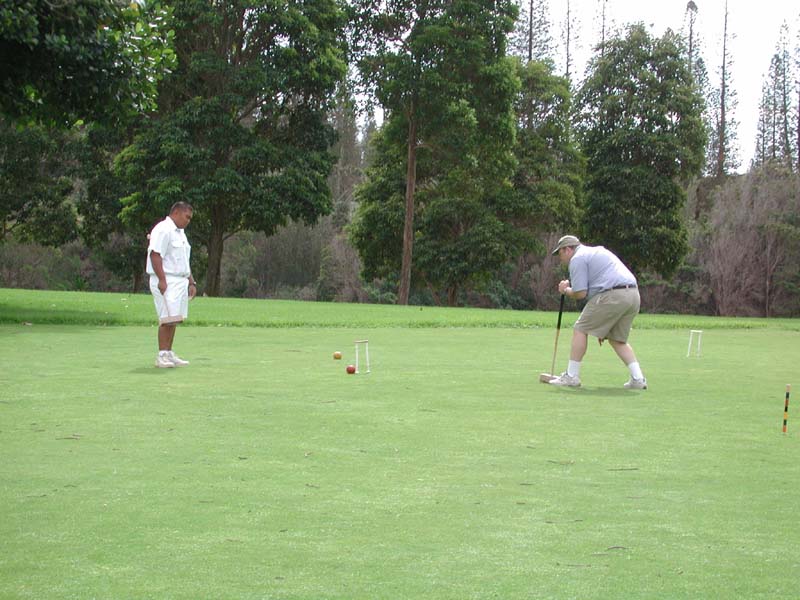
337	355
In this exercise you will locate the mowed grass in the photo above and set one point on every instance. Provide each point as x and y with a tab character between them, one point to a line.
264	471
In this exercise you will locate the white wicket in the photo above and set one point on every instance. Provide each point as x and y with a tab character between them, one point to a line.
699	333
366	352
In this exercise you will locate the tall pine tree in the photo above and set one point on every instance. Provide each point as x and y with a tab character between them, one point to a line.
531	39
776	138
722	154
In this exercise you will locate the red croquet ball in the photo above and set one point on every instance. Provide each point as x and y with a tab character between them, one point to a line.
351	369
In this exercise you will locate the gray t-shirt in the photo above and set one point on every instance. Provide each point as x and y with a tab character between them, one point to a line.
596	269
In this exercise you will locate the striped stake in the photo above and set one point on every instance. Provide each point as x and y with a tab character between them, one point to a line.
786	407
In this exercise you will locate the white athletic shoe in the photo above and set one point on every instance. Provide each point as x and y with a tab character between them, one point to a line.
566	380
177	360
635	384
163	361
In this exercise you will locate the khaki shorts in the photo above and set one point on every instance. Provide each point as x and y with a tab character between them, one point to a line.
609	315
173	306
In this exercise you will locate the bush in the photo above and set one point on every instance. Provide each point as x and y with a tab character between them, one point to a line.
72	267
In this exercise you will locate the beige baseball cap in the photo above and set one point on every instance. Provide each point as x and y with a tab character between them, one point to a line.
567	240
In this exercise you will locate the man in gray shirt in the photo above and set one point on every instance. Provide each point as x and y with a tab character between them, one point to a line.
598	275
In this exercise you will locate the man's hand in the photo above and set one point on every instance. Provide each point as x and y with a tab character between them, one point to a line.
562	286
192	290
158	268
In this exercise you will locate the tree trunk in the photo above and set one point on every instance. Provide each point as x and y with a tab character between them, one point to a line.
137	280
452	295
434	294
216	242
722	134
408	227
567	43
530	31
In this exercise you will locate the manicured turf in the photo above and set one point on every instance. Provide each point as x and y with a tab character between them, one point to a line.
264	471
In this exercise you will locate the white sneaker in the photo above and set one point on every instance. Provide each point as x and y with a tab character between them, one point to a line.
635	384
567	380
177	360
163	361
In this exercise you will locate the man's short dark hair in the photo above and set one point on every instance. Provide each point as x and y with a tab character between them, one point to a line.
182	206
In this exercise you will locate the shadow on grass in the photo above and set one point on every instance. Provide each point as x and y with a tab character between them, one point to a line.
601	391
149	370
56	316
611	391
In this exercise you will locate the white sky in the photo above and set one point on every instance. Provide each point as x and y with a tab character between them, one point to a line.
754	25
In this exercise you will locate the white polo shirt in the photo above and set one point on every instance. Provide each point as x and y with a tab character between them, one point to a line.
173	246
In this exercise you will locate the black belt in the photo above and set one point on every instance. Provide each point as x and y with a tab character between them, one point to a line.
629	286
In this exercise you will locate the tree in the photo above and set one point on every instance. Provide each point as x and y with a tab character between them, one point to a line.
66	63
531	39
569	35
797	106
722	154
81	60
348	170
120	245
548	180
694	57
775	141
699	72
604	25
440	72
640	127
692	54
35	185
754	243
242	131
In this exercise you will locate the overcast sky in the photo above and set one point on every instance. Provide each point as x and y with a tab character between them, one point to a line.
754	25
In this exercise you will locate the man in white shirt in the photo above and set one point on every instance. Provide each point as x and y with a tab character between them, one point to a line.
171	281
613	301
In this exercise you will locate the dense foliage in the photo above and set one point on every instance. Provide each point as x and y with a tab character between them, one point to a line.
641	128
440	71
88	59
476	164
35	185
242	132
550	171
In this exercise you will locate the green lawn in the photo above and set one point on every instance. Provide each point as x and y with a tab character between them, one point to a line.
264	471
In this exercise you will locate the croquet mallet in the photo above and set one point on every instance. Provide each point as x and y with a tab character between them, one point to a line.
548	377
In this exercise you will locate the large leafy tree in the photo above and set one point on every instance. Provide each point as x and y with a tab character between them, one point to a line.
241	132
550	172
439	70
66	63
81	60
35	185
120	245
641	129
